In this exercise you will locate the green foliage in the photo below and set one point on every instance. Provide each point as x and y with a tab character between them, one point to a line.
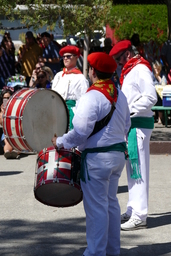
78	15
2	32
149	21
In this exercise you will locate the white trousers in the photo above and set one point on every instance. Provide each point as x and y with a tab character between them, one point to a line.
101	204
137	206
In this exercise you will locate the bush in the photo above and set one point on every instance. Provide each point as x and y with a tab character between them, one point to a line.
149	21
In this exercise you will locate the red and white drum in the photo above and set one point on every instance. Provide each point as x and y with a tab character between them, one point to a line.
32	117
57	177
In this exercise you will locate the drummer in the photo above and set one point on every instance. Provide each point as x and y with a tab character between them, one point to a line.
103	153
70	83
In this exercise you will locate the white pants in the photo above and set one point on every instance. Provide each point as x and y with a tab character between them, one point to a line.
137	206
101	204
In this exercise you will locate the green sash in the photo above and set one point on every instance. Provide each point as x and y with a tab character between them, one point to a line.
70	104
137	122
115	147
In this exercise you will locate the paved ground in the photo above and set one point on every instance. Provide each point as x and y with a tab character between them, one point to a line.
30	228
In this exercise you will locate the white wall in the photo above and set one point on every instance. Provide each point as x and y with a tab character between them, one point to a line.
16	23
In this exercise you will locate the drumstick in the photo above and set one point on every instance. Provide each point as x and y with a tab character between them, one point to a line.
55	135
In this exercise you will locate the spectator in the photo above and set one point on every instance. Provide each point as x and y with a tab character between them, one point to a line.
39	41
135	40
44	78
33	79
107	45
159	74
7	34
80	61
29	54
159	79
55	42
7	60
166	58
50	54
8	151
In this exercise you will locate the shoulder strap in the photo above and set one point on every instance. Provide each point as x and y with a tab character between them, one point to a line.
103	122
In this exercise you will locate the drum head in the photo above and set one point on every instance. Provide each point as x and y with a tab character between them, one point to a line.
44	115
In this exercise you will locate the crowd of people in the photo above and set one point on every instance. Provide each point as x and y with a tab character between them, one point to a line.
110	122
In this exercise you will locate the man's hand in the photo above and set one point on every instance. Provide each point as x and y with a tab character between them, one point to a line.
54	140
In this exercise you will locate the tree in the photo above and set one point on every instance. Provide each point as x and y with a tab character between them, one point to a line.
77	15
149	21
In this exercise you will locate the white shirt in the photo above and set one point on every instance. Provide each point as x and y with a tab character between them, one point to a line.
70	86
92	107
139	90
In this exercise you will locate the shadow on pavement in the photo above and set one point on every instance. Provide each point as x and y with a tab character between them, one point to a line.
6	173
122	189
160	219
148	250
31	238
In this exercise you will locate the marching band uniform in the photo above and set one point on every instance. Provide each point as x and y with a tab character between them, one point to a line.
103	157
72	84
137	85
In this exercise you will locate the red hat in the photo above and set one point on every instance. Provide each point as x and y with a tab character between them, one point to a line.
120	46
70	49
102	62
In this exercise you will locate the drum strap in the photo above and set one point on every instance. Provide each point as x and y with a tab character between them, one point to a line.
99	125
121	147
103	122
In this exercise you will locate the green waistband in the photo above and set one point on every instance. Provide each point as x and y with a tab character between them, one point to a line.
142	122
70	103
115	147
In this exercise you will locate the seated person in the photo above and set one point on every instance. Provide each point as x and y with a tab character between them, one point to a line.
34	74
8	151
44	78
160	79
159	74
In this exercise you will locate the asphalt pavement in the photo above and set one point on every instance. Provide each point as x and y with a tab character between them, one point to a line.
30	228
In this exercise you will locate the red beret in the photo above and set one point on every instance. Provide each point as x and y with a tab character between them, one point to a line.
120	46
70	49
102	62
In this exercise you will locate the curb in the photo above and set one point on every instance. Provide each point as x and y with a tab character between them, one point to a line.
160	147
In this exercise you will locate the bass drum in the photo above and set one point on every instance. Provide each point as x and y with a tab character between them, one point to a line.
32	117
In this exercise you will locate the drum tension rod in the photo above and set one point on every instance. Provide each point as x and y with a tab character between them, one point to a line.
15	117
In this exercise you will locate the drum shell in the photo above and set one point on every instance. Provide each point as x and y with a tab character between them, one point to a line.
57	177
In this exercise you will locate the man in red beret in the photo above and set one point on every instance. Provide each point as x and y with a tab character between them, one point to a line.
137	85
101	122
70	83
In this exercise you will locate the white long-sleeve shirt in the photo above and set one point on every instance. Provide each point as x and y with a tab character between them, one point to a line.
139	90
70	86
92	107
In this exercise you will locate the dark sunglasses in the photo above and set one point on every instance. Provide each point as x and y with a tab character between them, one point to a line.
68	56
41	77
7	98
118	58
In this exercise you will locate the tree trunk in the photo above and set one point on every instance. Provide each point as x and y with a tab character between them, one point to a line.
168	2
